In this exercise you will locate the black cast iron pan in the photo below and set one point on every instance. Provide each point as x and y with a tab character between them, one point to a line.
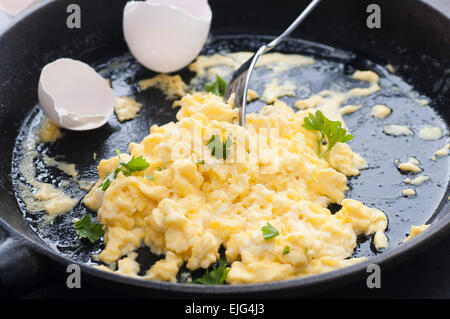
413	38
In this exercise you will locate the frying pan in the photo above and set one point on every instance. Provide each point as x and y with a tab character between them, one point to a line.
414	38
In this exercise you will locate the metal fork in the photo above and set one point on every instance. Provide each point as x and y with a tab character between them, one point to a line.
241	78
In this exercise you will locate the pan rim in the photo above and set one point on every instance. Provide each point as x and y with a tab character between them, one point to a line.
395	255
389	258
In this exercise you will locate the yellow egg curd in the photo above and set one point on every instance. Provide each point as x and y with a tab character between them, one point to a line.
189	202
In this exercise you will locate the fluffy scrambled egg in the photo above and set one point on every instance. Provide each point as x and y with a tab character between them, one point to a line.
194	203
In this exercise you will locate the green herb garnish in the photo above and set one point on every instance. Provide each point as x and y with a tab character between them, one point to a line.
331	130
218	87
134	165
109	179
137	164
286	250
85	228
150	177
269	231
216	276
200	162
219	149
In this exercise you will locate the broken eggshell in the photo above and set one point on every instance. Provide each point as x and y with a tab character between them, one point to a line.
14	7
74	96
166	35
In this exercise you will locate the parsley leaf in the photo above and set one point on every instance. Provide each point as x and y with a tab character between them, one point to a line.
200	162
109	179
219	149
332	130
218	87
85	228
286	250
216	276
134	165
137	164
269	231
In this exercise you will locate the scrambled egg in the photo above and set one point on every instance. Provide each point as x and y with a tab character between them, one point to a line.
415	230
329	102
274	90
172	85
430	133
37	195
252	95
419	180
396	130
126	108
348	109
194	203
380	111
441	152
409	192
221	64
412	165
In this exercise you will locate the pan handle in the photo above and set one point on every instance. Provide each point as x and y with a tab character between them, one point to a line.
21	269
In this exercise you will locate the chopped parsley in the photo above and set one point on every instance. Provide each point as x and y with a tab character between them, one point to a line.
269	231
134	165
331	130
216	276
286	250
200	162
109	179
218	87
85	228
219	148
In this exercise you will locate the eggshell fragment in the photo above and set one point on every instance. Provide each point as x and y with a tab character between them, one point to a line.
14	7
166	36
74	96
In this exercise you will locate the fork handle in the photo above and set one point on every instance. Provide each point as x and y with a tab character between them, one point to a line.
292	27
266	48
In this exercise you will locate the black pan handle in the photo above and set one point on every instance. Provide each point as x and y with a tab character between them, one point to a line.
21	269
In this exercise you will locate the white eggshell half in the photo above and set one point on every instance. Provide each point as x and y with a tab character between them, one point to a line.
14	7
165	36
74	96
